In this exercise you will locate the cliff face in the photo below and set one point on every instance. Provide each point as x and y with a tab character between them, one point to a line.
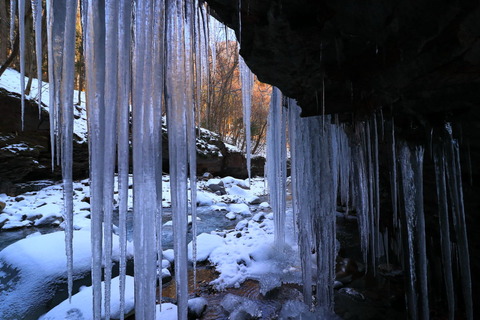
417	61
25	155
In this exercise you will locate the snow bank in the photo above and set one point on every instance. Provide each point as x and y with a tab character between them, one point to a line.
81	305
30	270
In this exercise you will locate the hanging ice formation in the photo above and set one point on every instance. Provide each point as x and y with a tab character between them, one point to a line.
37	24
246	79
315	161
276	164
330	161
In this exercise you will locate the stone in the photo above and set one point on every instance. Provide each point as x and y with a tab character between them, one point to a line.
217	188
196	307
2	206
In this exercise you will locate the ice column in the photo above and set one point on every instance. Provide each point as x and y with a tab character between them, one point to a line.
123	114
144	161
176	97
276	164
411	164
95	79
110	127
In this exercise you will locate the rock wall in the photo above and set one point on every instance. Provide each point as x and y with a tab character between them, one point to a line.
414	61
25	155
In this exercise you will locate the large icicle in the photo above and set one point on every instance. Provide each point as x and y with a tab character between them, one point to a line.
246	79
175	98
123	89
276	164
191	136
110	127
144	163
412	185
66	110
95	79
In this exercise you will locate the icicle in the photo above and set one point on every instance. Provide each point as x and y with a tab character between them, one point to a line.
144	162
412	184
110	102
37	23
191	136
123	89
276	166
360	189
393	177
376	187
66	108
157	103
246	79
458	213
440	175
51	80
21	28
95	79
318	171
178	155
212	32
293	114
13	7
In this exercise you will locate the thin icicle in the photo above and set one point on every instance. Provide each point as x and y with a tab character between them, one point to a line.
123	89
13	9
157	104
293	114
246	79
51	80
21	28
37	23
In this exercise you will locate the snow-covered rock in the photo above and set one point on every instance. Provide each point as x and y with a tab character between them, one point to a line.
206	243
31	270
81	305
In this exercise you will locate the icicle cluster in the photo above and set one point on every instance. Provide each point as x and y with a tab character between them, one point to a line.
315	161
132	52
143	55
